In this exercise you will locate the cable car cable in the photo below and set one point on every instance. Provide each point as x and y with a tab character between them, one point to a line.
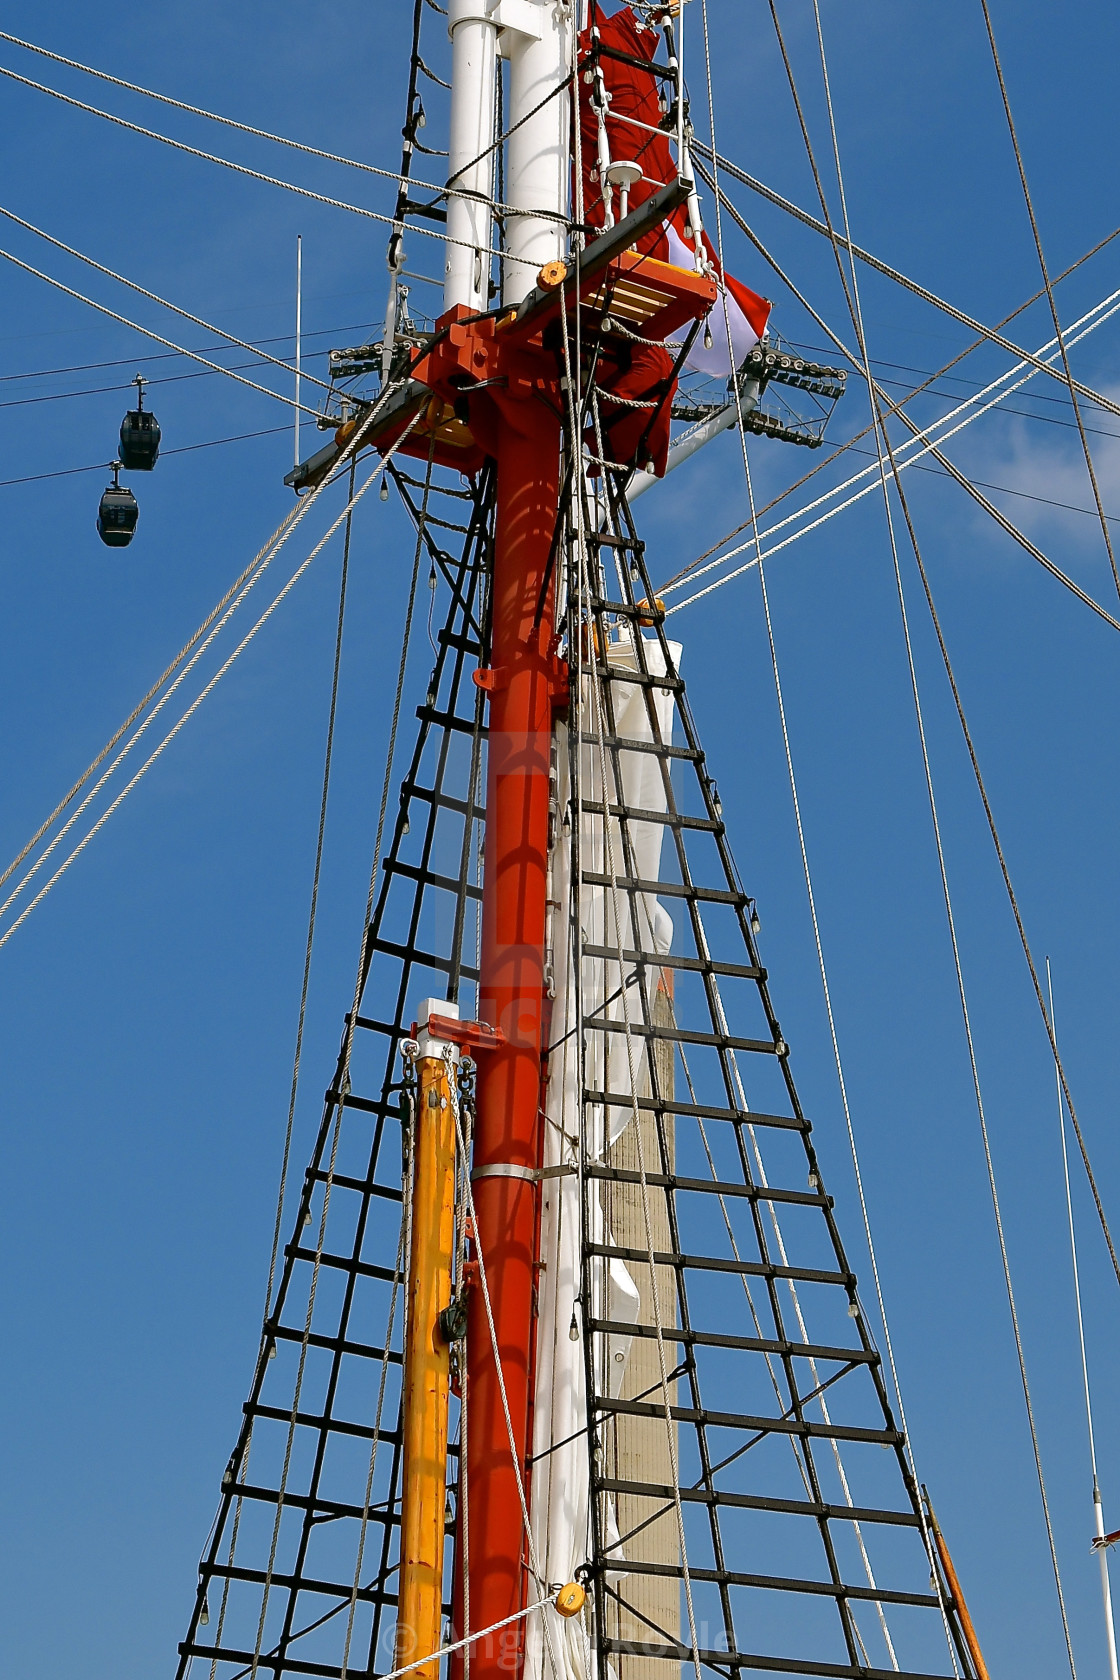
178	379
127	361
194	355
183	449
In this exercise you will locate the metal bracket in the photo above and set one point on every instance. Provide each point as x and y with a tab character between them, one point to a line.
468	1035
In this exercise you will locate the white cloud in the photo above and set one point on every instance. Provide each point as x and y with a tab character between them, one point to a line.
1045	464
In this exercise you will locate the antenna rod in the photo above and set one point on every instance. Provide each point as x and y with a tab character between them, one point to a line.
1101	1541
299	327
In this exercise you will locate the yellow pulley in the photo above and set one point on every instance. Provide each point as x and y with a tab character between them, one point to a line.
571	1599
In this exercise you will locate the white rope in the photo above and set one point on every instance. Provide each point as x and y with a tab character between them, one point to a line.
1094	317
908	454
462	1644
249	128
197	702
254	350
194	355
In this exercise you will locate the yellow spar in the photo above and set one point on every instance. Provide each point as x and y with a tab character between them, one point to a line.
427	1357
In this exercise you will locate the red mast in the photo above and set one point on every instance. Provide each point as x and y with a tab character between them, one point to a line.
523	684
517	422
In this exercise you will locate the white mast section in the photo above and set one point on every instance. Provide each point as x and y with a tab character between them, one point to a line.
473	28
1098	1509
537	41
535	36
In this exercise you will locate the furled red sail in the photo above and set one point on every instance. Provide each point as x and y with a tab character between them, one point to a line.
614	53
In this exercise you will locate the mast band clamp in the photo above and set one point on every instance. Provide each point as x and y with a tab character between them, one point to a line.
530	1175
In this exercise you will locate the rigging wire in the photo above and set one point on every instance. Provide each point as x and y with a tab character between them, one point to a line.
316	873
883	447
154	297
990	335
1019	923
961	356
194	355
916	432
152	692
918	436
1050	298
895	470
909	1461
169	737
1106	1590
1012	898
981	1114
927	375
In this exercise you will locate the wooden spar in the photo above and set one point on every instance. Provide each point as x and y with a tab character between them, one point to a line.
427	1362
953	1582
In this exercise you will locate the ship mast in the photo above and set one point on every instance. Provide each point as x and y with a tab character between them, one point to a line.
586	1211
524	682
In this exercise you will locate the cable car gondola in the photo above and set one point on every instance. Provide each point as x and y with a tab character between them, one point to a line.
140	434
118	512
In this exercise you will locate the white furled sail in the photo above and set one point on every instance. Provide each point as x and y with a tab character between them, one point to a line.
560	1501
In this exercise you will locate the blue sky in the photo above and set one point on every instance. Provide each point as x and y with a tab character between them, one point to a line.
149	1004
